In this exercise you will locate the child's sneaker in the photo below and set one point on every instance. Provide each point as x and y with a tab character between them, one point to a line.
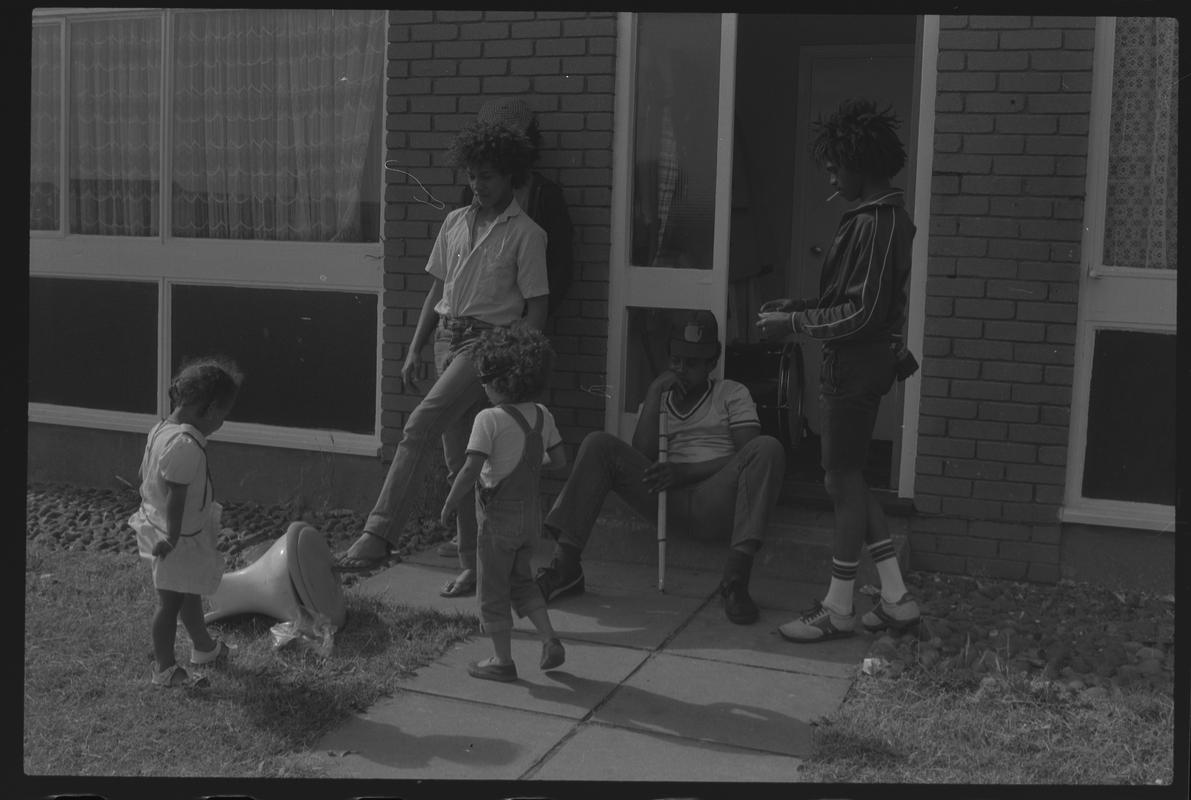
217	655
174	676
817	624
899	616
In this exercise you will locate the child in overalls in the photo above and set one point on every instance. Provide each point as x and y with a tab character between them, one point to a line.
509	443
177	524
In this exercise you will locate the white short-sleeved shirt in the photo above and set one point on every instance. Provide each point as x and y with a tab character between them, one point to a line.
705	432
174	453
498	437
492	280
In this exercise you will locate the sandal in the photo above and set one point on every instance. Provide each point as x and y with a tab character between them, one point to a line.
174	676
457	588
350	563
219	653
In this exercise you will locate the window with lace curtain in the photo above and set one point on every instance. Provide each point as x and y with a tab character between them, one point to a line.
1141	208
178	158
272	134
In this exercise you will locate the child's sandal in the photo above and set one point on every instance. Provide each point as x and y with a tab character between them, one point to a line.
174	676
218	654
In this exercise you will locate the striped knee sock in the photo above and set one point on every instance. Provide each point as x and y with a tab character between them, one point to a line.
843	579
885	560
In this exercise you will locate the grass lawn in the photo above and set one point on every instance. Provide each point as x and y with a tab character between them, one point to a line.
920	728
89	708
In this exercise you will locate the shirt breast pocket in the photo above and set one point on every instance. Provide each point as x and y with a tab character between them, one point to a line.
499	277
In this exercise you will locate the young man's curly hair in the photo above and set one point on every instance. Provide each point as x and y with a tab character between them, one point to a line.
516	361
506	149
861	138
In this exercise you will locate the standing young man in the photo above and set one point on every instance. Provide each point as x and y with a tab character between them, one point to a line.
859	316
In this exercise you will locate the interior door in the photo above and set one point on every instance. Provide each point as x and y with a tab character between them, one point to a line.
671	192
827	76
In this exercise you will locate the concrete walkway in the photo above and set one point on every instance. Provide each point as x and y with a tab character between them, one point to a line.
656	687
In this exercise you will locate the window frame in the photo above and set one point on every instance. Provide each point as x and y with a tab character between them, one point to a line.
1108	297
328	266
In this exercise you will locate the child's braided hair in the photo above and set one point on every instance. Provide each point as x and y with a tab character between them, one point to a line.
206	380
505	148
516	361
861	138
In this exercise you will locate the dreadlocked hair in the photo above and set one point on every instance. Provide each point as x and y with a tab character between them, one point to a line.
206	380
861	138
515	361
506	149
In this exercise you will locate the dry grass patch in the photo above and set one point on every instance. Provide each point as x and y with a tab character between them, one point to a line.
1009	730
89	709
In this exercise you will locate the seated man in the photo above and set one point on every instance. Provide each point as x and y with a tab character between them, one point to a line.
722	476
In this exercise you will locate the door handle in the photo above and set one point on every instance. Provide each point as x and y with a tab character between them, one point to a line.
816	250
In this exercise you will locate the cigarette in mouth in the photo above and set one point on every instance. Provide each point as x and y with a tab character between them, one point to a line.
833	196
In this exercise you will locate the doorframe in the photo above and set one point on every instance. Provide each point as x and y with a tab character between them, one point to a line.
710	287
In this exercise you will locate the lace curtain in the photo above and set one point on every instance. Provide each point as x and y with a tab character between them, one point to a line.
115	129
273	118
44	120
1141	217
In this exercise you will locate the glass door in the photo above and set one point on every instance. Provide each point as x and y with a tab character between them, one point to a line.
671	192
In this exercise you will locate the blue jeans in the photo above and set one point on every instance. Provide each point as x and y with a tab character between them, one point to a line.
733	504
444	416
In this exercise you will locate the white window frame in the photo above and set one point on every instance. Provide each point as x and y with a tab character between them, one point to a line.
168	261
1105	290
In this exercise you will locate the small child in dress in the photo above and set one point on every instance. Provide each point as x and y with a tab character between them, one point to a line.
510	442
177	524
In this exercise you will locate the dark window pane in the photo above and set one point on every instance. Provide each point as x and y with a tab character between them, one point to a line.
309	357
93	344
1130	450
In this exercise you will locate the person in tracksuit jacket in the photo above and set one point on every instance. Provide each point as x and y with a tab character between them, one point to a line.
860	317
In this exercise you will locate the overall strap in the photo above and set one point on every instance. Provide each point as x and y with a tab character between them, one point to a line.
208	487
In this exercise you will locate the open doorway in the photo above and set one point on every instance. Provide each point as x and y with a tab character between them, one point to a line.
789	70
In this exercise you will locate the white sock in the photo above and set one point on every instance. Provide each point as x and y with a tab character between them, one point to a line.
885	559
843	581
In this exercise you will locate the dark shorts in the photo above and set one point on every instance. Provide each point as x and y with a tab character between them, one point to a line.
852	381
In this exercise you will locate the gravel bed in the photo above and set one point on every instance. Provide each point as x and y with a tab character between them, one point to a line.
1079	637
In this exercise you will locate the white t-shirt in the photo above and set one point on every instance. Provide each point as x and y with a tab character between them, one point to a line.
496	435
705	432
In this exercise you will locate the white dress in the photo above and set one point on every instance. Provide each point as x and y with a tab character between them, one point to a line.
176	453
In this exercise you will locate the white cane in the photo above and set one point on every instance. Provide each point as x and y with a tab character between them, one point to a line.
663	447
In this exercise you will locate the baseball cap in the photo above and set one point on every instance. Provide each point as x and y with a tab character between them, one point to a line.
695	335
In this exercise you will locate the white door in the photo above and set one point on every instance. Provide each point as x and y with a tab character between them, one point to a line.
827	76
1121	452
671	192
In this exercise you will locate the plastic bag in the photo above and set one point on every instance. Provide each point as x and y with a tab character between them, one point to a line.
313	632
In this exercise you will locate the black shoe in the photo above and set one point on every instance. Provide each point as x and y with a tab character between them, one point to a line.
738	606
555	581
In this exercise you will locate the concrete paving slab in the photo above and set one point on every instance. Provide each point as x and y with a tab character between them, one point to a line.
604	753
418	585
708	635
734	704
420	736
590	674
611	615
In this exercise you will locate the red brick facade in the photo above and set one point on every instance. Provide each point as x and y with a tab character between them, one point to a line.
443	65
1003	275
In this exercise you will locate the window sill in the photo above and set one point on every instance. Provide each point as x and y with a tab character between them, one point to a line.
1119	514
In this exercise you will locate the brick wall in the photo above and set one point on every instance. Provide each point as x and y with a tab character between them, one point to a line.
442	66
1003	275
